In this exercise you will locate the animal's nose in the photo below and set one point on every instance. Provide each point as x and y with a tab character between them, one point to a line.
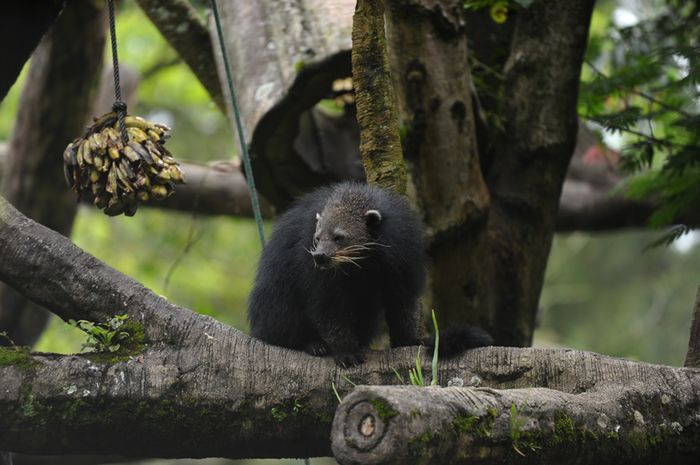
320	258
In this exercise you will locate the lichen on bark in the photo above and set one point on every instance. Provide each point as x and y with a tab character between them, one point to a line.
380	144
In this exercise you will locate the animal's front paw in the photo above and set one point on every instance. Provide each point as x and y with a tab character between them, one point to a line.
348	360
316	348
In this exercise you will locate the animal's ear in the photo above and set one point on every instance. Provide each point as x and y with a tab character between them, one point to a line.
373	218
318	216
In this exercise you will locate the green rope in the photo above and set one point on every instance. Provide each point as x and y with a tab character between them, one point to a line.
247	166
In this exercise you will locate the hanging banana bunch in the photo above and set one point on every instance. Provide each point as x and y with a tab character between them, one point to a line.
119	175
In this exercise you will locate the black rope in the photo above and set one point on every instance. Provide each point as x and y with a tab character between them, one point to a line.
119	106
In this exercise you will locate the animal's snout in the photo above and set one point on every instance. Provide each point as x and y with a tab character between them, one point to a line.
320	258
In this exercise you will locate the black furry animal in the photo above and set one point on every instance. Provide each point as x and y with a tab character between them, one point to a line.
339	259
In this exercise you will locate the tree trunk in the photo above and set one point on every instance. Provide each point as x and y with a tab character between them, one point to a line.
429	66
526	177
489	236
53	109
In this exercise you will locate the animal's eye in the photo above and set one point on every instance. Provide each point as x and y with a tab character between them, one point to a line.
317	238
338	238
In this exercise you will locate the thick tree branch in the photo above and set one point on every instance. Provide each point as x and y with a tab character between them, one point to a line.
229	395
586	207
187	33
214	189
613	424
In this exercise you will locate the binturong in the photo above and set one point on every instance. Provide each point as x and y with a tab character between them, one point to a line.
338	260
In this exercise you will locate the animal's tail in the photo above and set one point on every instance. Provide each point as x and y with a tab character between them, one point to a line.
456	340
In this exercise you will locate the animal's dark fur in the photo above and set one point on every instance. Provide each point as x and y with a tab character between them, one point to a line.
338	259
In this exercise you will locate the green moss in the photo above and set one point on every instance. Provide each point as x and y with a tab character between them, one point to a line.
640	441
474	425
465	423
563	428
425	438
385	412
136	337
295	408
299	65
17	356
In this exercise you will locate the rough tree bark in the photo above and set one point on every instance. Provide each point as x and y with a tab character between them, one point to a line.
526	179
53	109
285	57
397	425
380	145
189	386
489	238
428	52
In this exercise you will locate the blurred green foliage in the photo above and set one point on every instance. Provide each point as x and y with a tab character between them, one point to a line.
603	293
642	82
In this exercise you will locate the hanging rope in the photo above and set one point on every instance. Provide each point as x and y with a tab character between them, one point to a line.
247	166
119	106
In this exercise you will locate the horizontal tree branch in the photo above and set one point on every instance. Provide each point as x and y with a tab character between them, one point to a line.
584	206
639	422
232	396
217	188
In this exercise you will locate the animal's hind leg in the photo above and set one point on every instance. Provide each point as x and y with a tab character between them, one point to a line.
403	320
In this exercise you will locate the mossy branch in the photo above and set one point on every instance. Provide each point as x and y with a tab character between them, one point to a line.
545	426
380	143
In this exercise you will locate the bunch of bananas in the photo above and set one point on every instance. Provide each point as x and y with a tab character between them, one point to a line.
119	176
